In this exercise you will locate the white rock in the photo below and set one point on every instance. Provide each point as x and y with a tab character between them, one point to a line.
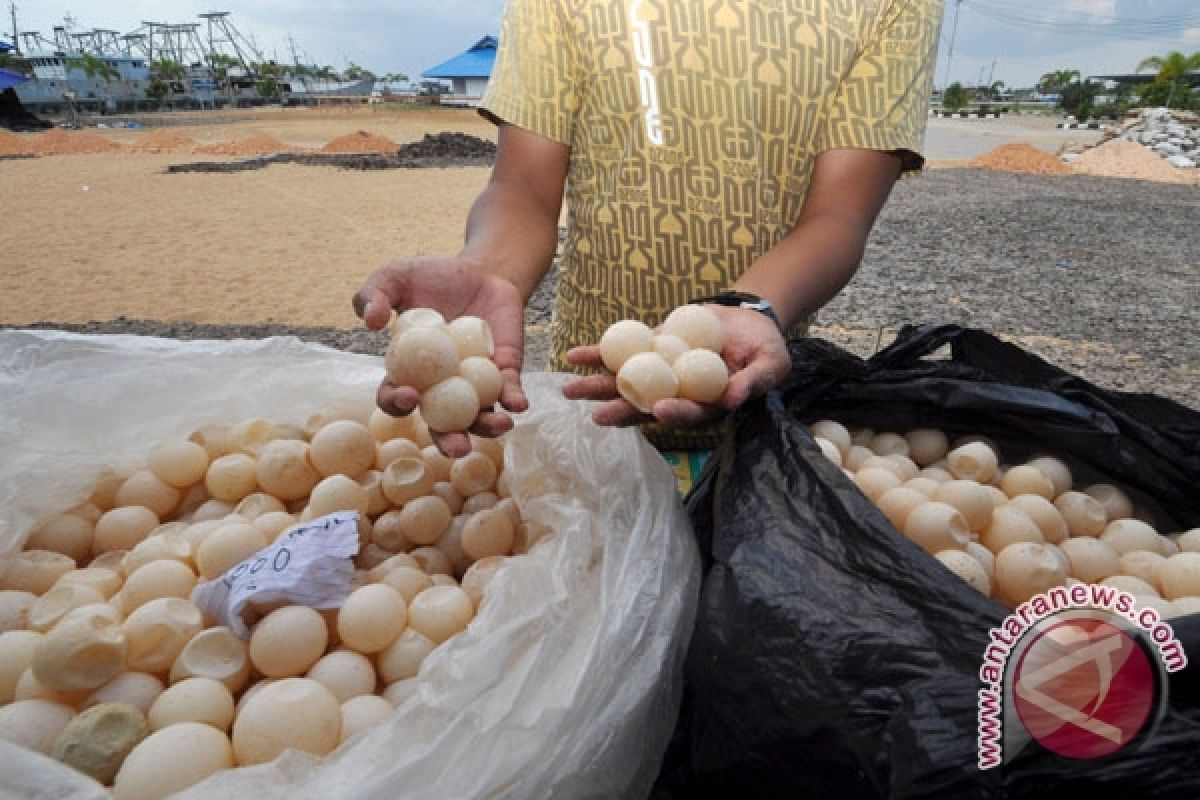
1183	162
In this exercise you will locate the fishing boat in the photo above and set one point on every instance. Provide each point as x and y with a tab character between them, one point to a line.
206	64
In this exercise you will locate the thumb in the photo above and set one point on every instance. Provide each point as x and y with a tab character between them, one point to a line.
382	291
756	378
512	396
374	308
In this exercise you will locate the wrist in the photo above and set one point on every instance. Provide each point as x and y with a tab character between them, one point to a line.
747	300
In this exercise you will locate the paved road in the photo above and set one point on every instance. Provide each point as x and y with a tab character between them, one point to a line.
955	139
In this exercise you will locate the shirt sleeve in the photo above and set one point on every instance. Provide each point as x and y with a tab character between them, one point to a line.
535	83
883	102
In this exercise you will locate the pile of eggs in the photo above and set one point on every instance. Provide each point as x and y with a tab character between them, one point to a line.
682	360
107	665
1014	531
450	364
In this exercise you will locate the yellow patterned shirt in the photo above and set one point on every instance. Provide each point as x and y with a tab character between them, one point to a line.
693	127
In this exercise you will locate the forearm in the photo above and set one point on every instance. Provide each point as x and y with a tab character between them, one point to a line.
512	235
809	266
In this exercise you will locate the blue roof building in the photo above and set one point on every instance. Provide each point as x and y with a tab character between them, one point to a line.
469	71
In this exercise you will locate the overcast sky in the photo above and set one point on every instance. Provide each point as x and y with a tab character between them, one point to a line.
1029	38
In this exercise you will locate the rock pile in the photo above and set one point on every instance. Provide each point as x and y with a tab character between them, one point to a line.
1174	135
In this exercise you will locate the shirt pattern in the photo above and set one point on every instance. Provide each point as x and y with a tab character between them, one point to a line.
694	126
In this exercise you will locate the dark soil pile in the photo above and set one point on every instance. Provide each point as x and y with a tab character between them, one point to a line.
445	149
449	145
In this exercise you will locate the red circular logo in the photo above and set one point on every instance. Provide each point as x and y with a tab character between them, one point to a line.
1083	688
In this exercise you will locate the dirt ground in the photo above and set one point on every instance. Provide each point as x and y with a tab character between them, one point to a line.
108	235
111	242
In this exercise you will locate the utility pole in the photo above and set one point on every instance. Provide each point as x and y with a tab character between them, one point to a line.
950	51
992	73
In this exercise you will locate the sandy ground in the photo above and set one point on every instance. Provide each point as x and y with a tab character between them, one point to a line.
102	236
115	239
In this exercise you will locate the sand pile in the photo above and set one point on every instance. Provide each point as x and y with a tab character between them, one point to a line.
11	144
1021	158
256	144
163	140
360	142
62	142
1121	158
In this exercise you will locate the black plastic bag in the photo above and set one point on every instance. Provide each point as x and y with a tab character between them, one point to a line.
831	656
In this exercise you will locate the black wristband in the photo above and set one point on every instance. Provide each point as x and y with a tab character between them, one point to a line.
744	300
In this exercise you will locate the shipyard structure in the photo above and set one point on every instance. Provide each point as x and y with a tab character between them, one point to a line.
204	64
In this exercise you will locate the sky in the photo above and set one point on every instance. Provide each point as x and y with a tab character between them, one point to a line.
1014	41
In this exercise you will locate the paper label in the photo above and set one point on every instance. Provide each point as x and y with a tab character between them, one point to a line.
309	566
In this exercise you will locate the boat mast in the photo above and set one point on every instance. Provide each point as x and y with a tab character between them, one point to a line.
12	7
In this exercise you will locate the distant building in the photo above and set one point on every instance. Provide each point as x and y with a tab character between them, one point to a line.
1142	78
469	71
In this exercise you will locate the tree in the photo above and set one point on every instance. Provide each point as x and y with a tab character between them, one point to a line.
993	91
158	89
1078	99
93	67
269	68
268	86
1055	82
15	63
955	97
354	72
395	77
1172	70
167	70
221	64
1172	66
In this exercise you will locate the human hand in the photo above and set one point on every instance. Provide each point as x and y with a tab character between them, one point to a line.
754	352
456	287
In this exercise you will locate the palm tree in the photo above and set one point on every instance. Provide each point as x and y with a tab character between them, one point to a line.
93	67
167	70
1172	69
15	63
220	64
1055	82
354	72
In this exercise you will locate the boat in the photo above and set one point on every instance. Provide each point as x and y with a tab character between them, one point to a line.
207	64
305	90
83	70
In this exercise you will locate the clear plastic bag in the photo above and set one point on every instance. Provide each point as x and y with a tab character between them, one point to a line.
565	685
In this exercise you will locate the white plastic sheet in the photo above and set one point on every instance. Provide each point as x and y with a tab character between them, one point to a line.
567	683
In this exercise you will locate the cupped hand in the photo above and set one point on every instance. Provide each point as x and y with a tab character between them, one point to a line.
456	287
754	352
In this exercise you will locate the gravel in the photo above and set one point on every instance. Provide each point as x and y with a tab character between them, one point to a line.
1098	275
